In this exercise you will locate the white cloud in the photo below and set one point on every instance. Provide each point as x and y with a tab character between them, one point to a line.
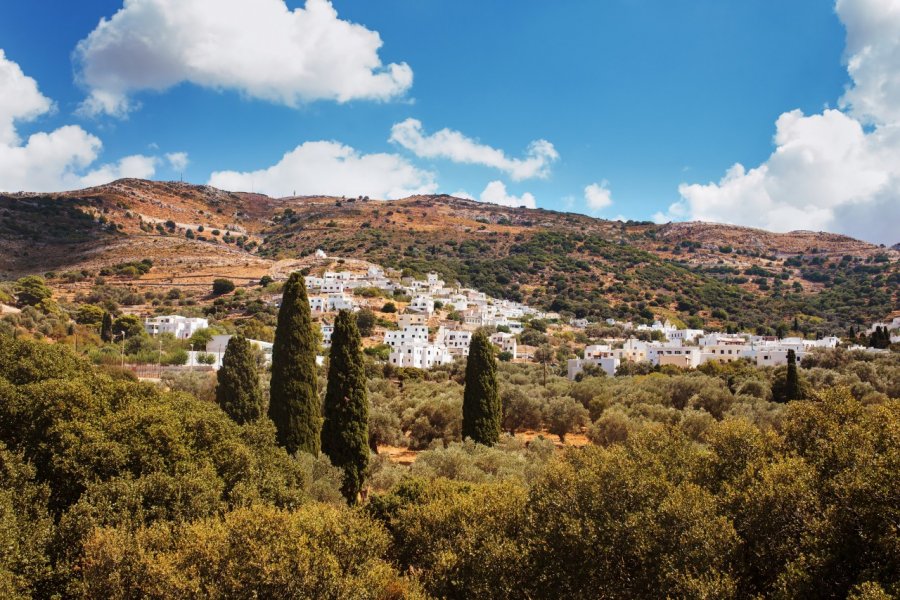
455	146
828	171
334	169
54	161
495	193
873	51
178	160
137	166
47	162
259	47
598	195
20	101
462	194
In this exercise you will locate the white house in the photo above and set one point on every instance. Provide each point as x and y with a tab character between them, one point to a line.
725	352
633	349
457	341
181	327
216	347
331	303
327	330
334	286
771	357
422	304
719	339
409	335
683	335
317	303
515	327
608	364
313	283
422	356
407	319
506	342
338	302
686	357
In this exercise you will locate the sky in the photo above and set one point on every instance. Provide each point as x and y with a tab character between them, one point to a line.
771	114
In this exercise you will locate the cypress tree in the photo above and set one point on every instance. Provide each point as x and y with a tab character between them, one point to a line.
792	379
238	392
481	399
106	328
294	399
345	430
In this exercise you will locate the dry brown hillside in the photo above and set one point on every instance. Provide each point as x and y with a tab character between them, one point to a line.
568	262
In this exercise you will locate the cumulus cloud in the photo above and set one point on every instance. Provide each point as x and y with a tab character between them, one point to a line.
873	50
462	194
260	48
495	193
53	161
20	101
332	168
137	166
838	170
453	145
178	160
598	195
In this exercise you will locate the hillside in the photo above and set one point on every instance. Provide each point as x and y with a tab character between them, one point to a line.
719	275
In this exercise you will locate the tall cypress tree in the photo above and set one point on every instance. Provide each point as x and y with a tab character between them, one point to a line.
238	390
294	400
481	399
345	430
792	378
106	328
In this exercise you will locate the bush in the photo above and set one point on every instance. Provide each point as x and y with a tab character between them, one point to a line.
222	286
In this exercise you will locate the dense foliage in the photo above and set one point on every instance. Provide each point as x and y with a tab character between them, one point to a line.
694	485
294	398
481	411
238	392
345	430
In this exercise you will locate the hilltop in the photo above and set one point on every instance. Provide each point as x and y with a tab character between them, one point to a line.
719	275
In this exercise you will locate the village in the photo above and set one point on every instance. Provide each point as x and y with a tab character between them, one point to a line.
435	326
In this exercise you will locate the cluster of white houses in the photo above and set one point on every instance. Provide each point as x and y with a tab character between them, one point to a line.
690	348
412	345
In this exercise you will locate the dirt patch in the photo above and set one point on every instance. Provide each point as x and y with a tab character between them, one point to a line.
405	456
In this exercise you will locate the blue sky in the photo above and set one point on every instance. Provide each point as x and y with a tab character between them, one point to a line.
637	97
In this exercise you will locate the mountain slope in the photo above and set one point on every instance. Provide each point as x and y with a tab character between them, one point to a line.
717	275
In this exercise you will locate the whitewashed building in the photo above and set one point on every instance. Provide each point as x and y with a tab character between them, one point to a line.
686	357
407	319
608	364
457	341
633	350
216	348
725	352
424	356
409	335
327	330
332	303
506	342
422	304
181	327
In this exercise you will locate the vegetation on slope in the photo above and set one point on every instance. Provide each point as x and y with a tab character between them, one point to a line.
695	485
